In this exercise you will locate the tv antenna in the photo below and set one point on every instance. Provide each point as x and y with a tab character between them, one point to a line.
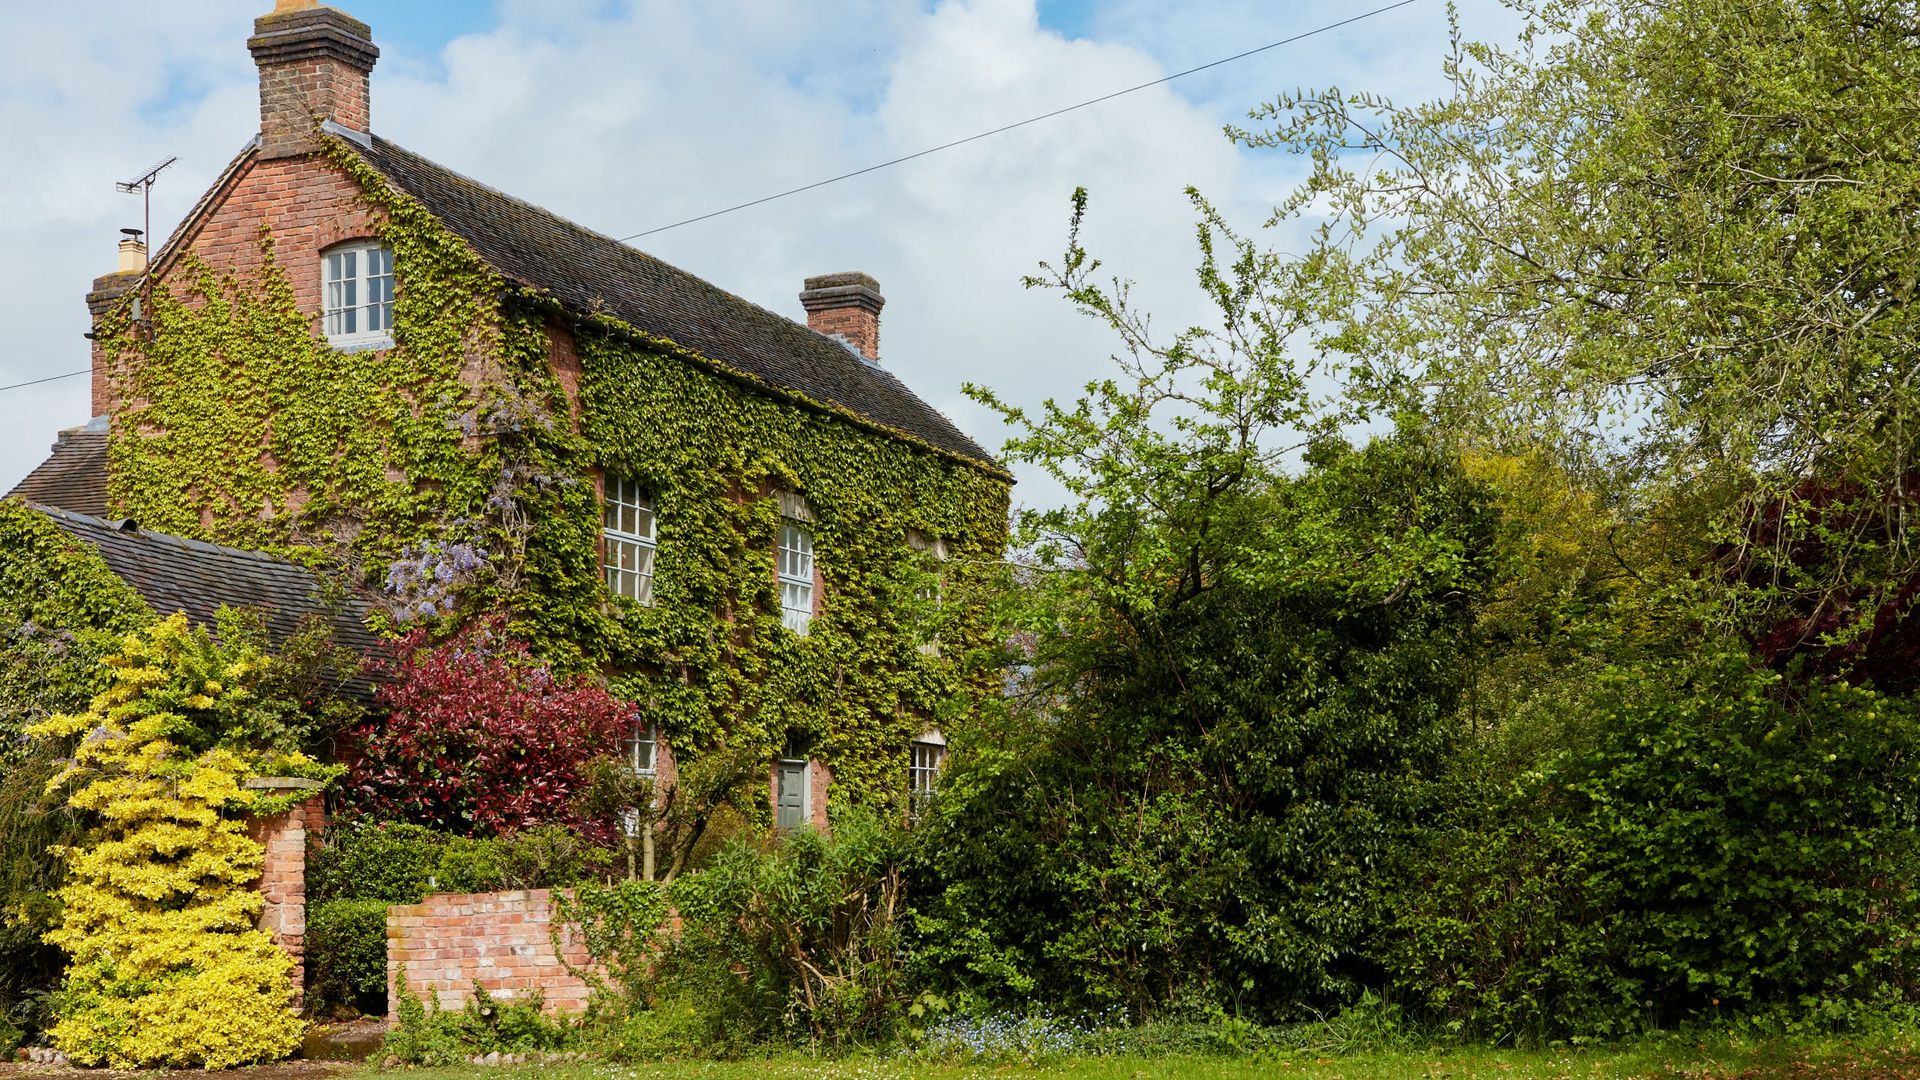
143	184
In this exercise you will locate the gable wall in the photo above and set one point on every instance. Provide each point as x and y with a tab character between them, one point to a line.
309	205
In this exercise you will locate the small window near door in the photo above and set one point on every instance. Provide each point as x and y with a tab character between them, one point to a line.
923	771
790	797
643	748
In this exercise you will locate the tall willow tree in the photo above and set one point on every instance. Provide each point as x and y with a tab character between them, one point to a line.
1677	236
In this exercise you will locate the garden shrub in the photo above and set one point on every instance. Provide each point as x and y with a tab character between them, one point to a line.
791	939
1205	769
360	860
157	913
401	863
426	1034
481	738
346	954
1732	842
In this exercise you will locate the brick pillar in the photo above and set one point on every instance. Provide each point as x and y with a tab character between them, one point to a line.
283	874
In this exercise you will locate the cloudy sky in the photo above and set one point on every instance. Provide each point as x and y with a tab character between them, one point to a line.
629	114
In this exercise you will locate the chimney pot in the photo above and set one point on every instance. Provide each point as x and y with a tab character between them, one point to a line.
315	66
846	306
133	257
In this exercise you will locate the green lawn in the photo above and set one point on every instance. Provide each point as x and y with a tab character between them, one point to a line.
1881	1058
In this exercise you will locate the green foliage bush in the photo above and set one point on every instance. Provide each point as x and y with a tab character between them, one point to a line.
400	863
1199	814
1732	842
346	954
426	1034
795	939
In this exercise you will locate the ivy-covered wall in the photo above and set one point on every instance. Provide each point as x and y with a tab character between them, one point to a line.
61	610
244	427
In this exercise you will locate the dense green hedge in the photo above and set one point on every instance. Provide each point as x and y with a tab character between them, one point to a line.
1730	842
347	953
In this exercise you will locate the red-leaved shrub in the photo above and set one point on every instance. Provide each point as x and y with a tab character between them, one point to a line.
481	738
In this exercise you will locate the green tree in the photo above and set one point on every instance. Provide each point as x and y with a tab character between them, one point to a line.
1233	679
1675	237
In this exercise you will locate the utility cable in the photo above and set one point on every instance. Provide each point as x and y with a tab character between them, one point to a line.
1302	36
50	378
1023	123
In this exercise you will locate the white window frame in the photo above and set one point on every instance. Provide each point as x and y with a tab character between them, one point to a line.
793	560
642	746
806	790
623	510
346	290
927	755
934	595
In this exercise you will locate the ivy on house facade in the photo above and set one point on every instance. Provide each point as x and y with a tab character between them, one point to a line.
244	427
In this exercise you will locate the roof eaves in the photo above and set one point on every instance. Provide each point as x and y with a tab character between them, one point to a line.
609	324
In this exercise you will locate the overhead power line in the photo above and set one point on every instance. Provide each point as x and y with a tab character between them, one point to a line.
50	378
1023	123
1302	36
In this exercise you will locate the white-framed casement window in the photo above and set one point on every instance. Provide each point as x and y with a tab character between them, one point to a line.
932	592
923	770
356	292
792	797
628	537
643	748
794	562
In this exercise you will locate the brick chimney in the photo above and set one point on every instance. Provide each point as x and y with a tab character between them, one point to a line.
846	306
315	65
109	290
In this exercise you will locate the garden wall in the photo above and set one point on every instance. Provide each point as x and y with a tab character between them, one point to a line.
500	940
283	871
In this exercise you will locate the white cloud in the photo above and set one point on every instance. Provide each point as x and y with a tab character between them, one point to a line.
627	117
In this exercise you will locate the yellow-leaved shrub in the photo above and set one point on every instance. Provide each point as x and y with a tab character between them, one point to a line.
158	910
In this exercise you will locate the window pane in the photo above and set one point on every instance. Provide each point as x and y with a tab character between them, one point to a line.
627	524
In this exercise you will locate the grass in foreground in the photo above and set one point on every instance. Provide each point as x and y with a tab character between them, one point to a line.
1883	1057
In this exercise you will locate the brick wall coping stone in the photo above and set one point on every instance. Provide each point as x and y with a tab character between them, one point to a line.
282	783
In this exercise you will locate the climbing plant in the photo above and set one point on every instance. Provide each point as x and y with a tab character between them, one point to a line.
61	611
461	450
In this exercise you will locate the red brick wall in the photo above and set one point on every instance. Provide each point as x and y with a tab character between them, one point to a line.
501	940
310	205
861	328
283	879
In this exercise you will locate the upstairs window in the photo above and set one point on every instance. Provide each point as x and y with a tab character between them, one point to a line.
932	551
795	564
357	293
796	577
627	540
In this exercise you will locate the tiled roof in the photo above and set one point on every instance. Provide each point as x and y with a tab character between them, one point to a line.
592	274
74	476
176	574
